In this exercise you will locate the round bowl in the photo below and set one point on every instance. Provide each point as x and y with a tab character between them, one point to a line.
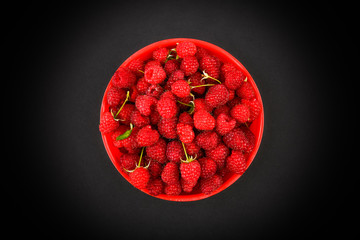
256	127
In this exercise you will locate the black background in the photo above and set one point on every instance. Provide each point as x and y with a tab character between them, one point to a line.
70	187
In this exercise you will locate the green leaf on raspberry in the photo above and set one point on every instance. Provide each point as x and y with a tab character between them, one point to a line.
125	134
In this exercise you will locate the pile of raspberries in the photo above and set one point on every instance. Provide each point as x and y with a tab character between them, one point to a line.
181	120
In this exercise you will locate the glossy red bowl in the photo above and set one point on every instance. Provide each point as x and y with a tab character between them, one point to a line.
256	127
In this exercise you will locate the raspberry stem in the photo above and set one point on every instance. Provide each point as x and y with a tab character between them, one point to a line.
188	159
141	71
142	151
205	85
206	76
127	98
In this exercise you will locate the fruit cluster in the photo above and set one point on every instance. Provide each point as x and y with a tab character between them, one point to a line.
181	120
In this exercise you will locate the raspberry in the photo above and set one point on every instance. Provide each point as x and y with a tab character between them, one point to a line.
125	113
175	76
208	185
119	131
181	88
203	120
192	149
236	162
130	143
236	140
207	140
160	54
246	91
190	171
185	133
185	186
115	96
154	91
155	117
195	80
208	167
171	66
173	189
139	120
157	151
108	123
167	107
224	124
152	63
128	161
234	102
227	67
186	118
136	65
221	109
155	187
241	113
144	104
217	95
147	137
189	65
174	152
185	48
200	104
250	137
234	79
142	85
140	177
201	52
167	127
170	173
254	107
154	74
210	65
123	78
219	155
155	169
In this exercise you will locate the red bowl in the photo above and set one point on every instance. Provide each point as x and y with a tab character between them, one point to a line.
256	127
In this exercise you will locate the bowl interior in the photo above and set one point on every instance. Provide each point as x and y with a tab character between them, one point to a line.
256	126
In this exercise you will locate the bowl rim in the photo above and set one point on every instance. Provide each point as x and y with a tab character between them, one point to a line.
224	56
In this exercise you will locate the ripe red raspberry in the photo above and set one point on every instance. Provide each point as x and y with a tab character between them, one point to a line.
185	133
147	136
140	177
200	104
139	120
186	118
195	80
241	113
160	54
201	52
254	107
108	123
124	114
185	48
217	95
128	161
209	185
203	120
130	143
246	91
190	171
224	124
155	169
155	187
192	149
136	65
175	76
236	140
155	117
234	102
225	68
185	186
210	65
152	63
119	131
115	96
154	91
219	155
170	173
123	78
155	75
207	140
167	127
189	65
234	79
250	137
221	109
157	151
208	167
174	151
142	85
145	103
236	162
167	107
173	189
180	88
171	66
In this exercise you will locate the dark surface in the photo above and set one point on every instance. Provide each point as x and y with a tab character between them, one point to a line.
71	187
